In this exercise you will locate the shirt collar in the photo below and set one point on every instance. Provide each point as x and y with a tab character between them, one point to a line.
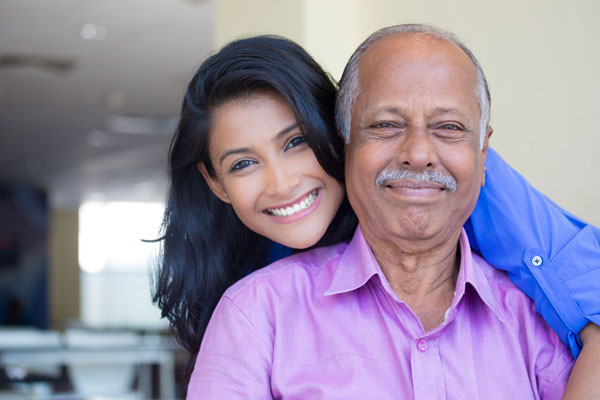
473	271
357	265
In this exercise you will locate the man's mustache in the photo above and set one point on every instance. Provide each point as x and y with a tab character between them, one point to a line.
447	182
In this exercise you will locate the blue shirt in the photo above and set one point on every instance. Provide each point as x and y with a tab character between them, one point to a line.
551	255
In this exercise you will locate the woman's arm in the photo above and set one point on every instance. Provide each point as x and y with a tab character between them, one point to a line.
584	382
548	253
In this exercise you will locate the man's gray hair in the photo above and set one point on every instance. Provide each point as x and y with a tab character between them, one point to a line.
350	89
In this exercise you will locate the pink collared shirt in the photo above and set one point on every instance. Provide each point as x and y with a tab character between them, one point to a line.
325	324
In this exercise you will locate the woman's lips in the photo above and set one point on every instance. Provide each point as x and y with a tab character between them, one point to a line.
305	205
293	207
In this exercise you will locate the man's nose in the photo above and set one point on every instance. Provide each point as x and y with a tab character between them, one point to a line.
280	178
417	149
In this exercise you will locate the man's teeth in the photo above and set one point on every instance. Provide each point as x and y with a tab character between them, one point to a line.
291	210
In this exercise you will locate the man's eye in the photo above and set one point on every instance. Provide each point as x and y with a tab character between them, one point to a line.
241	165
383	125
295	141
450	127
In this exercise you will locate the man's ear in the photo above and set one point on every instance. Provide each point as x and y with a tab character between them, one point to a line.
213	183
484	151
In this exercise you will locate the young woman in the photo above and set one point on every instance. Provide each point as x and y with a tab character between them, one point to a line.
256	163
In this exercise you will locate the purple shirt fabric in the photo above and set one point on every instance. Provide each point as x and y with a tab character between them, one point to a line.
325	324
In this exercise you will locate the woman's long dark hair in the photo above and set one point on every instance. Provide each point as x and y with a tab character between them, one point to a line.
205	246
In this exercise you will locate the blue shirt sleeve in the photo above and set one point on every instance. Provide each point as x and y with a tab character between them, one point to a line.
551	255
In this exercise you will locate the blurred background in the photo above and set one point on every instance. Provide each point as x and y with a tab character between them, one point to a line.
90	91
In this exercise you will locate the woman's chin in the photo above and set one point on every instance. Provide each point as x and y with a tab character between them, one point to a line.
299	244
298	240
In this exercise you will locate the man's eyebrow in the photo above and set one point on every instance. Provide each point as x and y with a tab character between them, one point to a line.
446	110
366	117
285	131
278	136
398	111
389	109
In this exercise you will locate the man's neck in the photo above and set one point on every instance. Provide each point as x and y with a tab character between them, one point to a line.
422	274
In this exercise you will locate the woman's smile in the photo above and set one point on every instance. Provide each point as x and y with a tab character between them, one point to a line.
291	212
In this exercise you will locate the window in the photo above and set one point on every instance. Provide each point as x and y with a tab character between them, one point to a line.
115	264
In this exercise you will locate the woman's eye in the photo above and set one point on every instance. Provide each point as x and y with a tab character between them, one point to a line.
241	165
295	141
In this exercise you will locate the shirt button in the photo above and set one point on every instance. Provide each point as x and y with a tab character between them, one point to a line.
422	345
536	261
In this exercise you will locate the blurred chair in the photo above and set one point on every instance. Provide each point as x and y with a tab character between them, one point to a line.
27	339
27	375
88	363
102	376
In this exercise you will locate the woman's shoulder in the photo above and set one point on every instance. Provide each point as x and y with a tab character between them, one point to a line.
307	270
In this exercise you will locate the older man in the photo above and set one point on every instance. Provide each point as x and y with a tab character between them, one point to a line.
405	310
418	139
415	163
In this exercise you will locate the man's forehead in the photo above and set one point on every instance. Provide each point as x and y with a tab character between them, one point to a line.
417	48
416	68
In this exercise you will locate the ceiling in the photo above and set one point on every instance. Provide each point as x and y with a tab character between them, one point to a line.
90	91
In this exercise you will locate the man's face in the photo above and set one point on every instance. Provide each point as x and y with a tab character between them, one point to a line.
418	112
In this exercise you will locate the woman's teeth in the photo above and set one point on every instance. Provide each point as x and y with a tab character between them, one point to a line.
293	209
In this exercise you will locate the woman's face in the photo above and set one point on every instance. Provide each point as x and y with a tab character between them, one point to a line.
265	169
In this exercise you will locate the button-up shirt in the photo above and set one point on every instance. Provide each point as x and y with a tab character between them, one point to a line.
325	324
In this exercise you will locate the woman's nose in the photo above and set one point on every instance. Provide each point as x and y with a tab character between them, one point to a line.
281	179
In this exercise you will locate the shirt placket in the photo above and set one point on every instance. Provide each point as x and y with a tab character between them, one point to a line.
426	366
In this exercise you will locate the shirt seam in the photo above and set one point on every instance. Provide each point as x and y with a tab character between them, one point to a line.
559	374
241	311
259	276
578	274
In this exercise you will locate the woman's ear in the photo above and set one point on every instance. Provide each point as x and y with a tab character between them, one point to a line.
213	183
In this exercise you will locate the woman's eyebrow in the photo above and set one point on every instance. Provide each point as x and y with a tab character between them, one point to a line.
284	131
278	136
233	151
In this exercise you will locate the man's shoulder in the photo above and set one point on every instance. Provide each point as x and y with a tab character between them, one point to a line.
514	302
309	269
548	355
495	276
